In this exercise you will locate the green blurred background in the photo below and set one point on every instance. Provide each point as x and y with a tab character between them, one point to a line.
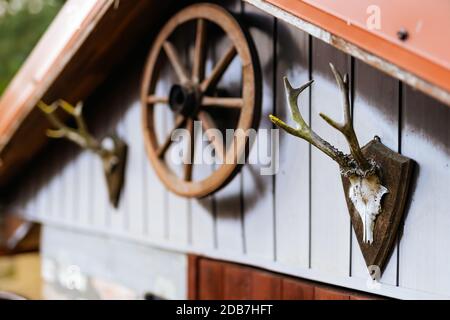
22	23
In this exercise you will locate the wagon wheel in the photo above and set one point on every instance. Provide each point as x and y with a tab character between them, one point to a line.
191	97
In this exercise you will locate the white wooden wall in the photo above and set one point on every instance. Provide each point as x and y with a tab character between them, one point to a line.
134	267
295	222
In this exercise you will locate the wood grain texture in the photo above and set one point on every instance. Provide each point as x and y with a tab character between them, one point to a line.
423	262
321	293
156	203
178	207
237	282
375	112
259	219
330	223
202	210
155	199
177	216
193	277
178	211
203	218
266	286
424	254
228	201
297	290
133	193
396	177
211	280
292	180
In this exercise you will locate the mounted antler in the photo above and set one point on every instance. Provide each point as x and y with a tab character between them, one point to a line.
347	127
304	131
113	157
80	136
355	163
366	190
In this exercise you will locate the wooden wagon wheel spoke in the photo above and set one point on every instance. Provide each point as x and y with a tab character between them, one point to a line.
157	99
219	69
165	146
219	102
198	70
192	96
188	166
208	125
176	62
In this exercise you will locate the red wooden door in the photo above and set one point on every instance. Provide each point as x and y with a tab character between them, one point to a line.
217	280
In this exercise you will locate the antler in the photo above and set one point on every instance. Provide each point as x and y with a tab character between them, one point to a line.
347	127
303	131
80	136
113	156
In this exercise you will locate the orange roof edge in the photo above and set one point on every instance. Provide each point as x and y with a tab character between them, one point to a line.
53	51
418	65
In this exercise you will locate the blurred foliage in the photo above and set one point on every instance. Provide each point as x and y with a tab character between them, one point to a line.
22	23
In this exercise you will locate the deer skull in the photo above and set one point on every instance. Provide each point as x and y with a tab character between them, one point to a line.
366	190
366	194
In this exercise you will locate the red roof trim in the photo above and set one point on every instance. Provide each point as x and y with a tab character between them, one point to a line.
395	53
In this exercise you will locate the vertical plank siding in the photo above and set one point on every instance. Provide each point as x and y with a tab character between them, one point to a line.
295	222
424	255
230	235
292	192
258	190
202	211
156	197
330	222
43	188
375	113
134	191
85	188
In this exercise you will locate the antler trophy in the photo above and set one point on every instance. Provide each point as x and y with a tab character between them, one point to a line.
111	149
361	172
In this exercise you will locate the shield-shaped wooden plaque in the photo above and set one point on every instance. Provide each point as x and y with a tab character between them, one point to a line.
115	176
396	171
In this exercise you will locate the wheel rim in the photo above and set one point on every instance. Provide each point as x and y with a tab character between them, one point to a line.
189	100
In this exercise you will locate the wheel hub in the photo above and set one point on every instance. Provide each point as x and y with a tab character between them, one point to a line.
183	100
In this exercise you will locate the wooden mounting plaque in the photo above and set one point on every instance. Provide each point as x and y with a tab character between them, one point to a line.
115	178
396	176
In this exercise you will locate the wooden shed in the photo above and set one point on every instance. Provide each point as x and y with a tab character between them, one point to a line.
238	233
